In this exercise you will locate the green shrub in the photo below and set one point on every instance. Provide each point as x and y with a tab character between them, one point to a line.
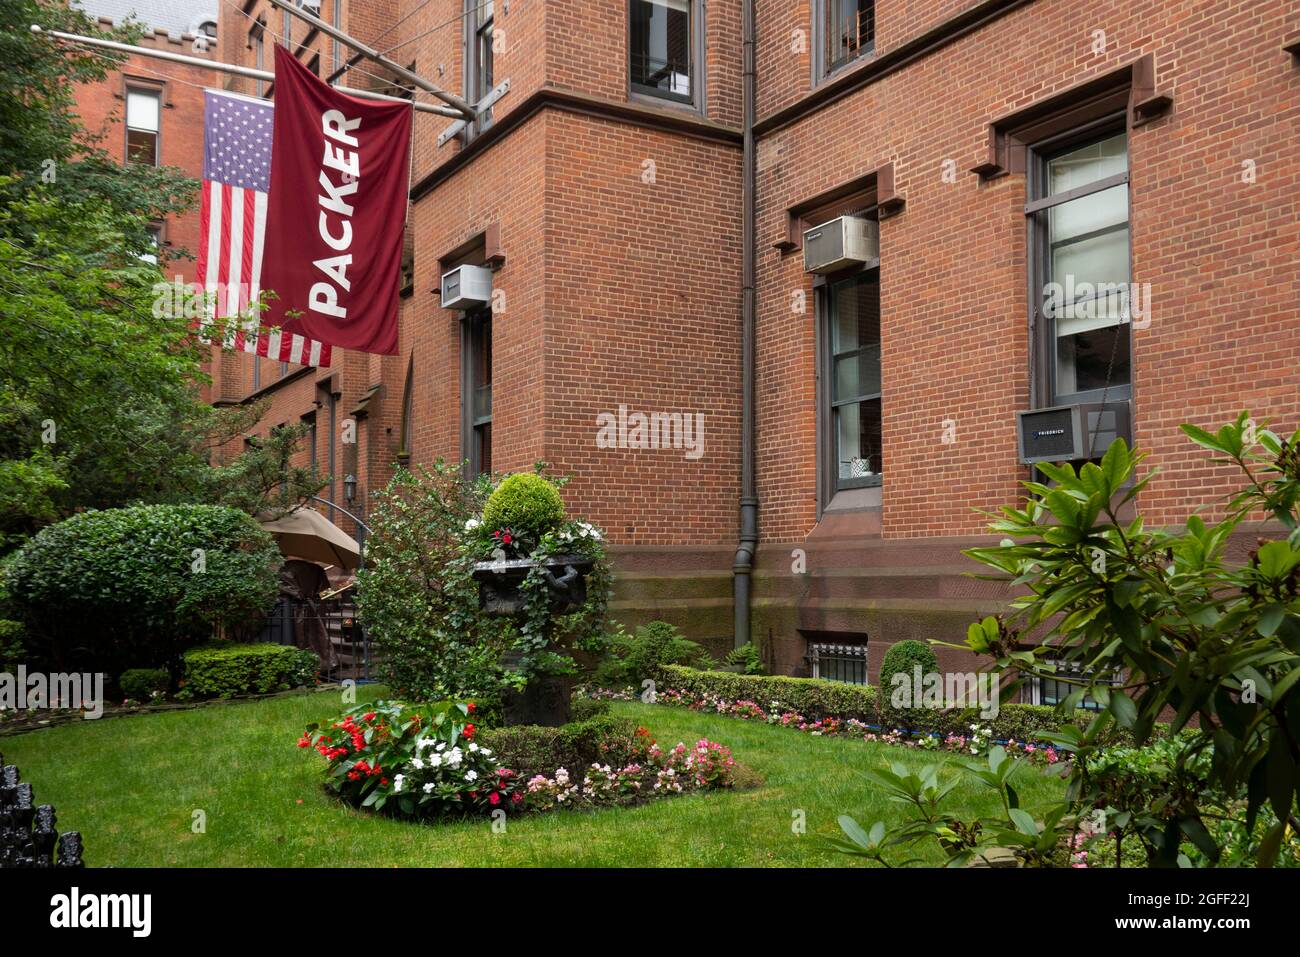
584	708
533	749
811	697
643	654
815	699
904	657
747	656
416	598
527	504
106	589
139	684
226	670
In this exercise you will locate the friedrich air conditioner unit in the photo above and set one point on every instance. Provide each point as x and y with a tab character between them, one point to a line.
842	242
466	287
1068	433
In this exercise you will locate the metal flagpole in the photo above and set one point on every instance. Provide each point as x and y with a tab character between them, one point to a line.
243	71
463	109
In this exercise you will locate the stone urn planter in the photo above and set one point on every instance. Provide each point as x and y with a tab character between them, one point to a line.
499	584
545	699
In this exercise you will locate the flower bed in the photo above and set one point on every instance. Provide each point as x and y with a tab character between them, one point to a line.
977	738
424	762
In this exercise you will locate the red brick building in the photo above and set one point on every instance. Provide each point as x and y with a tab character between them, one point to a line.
991	158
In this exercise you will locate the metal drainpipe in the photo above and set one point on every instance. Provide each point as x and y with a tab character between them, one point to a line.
748	545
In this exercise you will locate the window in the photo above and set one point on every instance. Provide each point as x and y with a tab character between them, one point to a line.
664	48
1069	678
143	115
407	425
1079	222
155	236
255	42
476	397
479	19
257	372
832	661
208	28
852	376
845	30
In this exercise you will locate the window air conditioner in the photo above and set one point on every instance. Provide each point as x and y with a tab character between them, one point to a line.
1068	433
466	287
842	242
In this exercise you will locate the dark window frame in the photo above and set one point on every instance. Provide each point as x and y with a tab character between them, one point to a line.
823	68
257	43
476	430
1038	208
478	37
828	429
696	72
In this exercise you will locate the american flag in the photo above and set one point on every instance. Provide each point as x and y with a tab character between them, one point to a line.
232	224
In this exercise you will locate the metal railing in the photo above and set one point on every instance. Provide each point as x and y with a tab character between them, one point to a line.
330	627
832	662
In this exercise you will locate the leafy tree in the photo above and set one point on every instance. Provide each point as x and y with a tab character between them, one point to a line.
99	390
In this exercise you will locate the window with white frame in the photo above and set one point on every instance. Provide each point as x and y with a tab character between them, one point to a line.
143	125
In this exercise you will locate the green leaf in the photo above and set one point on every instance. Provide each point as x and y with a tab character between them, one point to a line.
1024	822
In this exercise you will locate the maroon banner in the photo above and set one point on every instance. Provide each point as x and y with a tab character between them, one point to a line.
335	212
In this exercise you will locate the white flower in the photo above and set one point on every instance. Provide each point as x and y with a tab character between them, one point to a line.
417	764
397	782
428	788
472	524
473	747
471	775
485	752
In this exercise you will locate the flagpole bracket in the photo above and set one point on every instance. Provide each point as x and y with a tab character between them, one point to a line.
485	104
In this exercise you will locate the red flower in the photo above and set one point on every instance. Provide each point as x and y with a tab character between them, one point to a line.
368	717
494	797
305	740
384	781
468	733
471	707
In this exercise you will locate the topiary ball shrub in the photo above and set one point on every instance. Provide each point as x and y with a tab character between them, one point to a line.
106	590
527	504
903	658
141	684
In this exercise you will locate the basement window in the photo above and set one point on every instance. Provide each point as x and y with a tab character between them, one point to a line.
476	397
1068	678
844	660
665	49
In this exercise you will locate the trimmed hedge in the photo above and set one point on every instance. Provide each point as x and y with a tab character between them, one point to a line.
815	699
811	697
533	749
227	670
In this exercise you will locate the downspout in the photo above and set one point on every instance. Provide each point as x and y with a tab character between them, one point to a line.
748	545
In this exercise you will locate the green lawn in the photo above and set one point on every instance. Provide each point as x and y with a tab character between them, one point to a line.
131	786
